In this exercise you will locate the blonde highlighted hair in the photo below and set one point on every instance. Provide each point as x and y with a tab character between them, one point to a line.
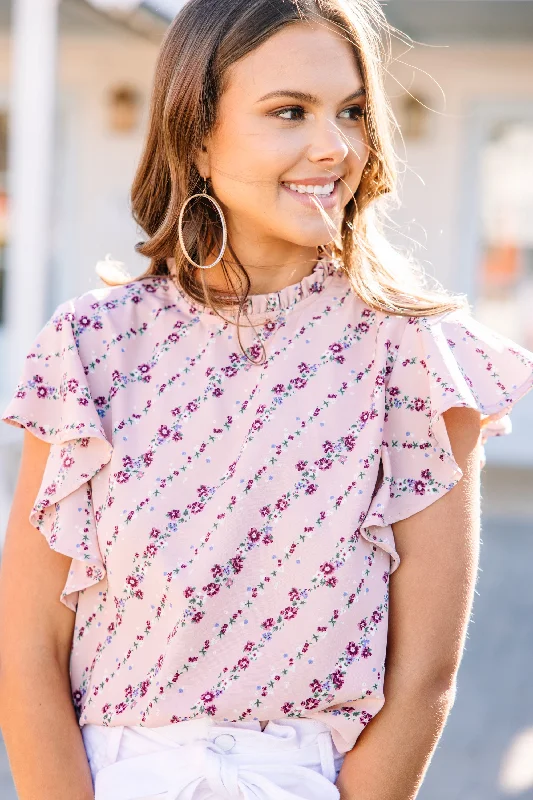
203	41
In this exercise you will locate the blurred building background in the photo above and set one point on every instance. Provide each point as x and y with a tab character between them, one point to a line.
75	79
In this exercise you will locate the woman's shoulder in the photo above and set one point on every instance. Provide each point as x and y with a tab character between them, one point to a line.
133	298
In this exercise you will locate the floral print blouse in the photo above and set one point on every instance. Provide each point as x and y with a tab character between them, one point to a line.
229	524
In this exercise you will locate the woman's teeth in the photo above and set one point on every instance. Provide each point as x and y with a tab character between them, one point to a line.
304	189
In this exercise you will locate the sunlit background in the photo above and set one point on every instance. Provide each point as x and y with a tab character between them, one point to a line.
75	79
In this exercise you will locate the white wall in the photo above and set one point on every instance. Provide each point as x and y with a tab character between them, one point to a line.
434	184
98	164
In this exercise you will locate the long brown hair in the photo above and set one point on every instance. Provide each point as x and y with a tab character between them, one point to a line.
204	40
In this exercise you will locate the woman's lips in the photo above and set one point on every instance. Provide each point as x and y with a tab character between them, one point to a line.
313	200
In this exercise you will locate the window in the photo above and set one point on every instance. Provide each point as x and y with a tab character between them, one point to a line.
505	272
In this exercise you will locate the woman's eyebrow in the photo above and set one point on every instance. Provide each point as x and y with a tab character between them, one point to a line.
308	98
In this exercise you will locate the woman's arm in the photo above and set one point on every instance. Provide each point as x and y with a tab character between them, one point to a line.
431	595
43	739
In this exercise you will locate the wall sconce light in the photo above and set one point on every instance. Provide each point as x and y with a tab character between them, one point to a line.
124	108
414	117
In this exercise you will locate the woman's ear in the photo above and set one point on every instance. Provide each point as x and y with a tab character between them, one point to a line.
202	161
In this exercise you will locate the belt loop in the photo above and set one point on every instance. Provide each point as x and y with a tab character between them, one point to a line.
327	762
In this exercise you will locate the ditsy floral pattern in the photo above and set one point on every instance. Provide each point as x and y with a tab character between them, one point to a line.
230	524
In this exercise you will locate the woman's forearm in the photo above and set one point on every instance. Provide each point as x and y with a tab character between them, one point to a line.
393	752
42	736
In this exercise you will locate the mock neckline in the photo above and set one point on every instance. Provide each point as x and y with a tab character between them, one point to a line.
286	298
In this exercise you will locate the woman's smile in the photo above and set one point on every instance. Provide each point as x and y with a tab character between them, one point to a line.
310	192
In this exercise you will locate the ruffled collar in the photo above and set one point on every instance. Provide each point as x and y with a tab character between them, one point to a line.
260	304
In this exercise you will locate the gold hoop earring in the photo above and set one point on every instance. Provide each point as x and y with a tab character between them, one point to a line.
224	228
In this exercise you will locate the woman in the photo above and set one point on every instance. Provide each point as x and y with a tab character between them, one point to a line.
231	455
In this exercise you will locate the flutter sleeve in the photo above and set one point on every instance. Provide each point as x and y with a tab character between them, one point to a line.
442	361
53	401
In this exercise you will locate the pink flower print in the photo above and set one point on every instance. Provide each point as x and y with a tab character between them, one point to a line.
420	487
207	697
419	404
122	477
248	647
254	535
211	710
211	589
294	594
268	623
164	431
299	382
237	563
352	649
366	652
84	321
377	616
426	474
42	391
394	391
279	388
310	703
289	612
243	663
188	592
196	618
301	465
282	504
327	568
217	571
335	347
144	368
132	581
337	679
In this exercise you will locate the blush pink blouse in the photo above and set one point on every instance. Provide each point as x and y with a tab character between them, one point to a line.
229	524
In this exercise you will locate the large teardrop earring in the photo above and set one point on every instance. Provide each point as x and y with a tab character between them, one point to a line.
224	228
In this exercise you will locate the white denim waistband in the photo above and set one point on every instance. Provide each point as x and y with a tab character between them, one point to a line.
202	758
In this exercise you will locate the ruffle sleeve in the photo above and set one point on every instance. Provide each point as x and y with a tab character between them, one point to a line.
442	361
54	402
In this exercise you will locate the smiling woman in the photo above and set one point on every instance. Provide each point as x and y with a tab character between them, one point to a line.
227	533
281	108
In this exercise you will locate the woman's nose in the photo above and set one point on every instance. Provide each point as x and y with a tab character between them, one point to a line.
329	143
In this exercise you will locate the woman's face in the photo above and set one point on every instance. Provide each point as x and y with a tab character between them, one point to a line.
291	116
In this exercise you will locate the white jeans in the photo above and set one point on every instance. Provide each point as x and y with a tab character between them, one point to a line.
202	759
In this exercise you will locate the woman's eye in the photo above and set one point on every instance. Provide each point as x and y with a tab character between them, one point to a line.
298	109
357	111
